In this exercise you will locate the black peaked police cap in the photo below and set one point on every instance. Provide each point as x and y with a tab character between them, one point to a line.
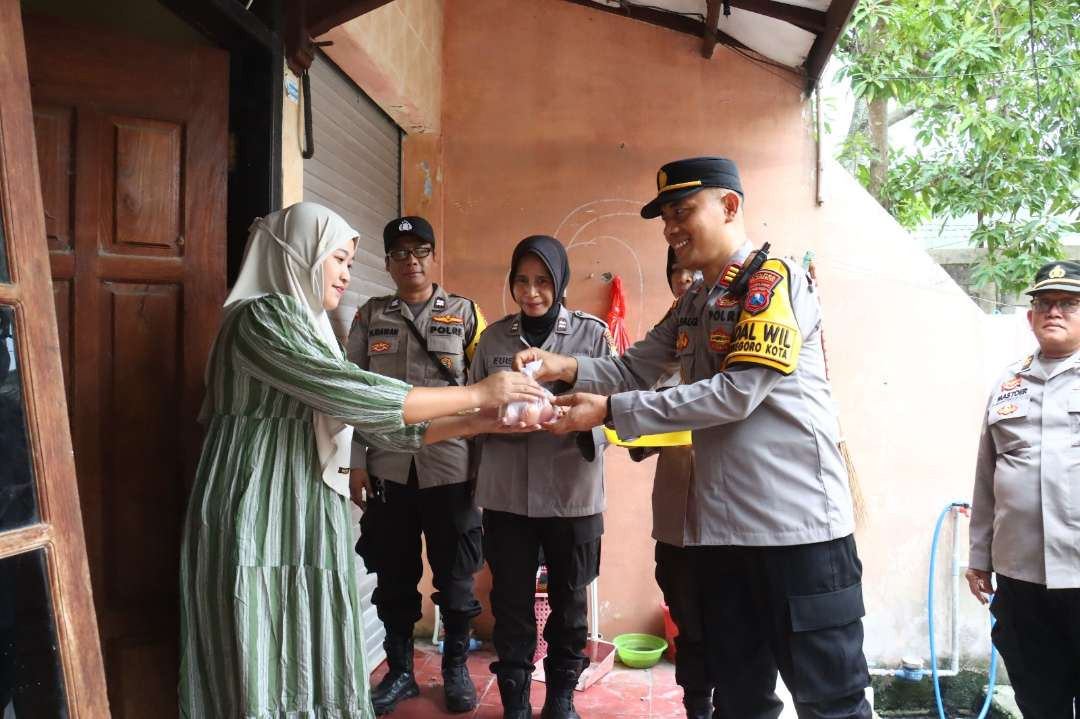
1063	275
405	226
678	179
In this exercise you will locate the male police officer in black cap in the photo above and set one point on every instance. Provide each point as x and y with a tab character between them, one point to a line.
769	518
425	336
1025	520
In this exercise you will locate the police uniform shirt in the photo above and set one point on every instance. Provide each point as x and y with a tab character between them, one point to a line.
1025	520
540	474
767	467
380	340
671	485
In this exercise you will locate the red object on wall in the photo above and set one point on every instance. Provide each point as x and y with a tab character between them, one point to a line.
616	316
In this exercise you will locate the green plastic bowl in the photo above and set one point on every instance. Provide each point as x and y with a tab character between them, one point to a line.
639	651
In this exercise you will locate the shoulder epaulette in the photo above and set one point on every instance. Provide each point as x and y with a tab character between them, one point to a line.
586	316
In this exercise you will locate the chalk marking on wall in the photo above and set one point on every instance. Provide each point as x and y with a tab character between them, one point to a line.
574	242
579	208
641	274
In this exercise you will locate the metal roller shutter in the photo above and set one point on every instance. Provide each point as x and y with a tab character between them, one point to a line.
356	171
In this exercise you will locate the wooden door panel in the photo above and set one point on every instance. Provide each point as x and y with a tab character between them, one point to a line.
148	137
144	208
142	487
140	694
54	130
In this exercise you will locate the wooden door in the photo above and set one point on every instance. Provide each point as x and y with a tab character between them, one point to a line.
132	149
50	663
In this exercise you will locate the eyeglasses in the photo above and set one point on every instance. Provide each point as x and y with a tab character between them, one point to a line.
1068	306
403	254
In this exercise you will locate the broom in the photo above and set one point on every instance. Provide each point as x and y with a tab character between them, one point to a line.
858	503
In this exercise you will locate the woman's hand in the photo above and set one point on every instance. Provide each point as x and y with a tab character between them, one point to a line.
504	387
555	367
360	487
980	583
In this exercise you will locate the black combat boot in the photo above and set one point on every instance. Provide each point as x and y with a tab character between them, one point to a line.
698	703
514	690
457	685
399	683
559	700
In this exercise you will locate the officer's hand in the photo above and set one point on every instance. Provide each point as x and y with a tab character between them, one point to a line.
359	484
555	367
980	583
583	411
502	388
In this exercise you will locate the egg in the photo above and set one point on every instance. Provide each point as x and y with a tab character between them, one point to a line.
530	413
547	412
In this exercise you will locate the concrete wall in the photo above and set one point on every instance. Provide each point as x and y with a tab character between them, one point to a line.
554	120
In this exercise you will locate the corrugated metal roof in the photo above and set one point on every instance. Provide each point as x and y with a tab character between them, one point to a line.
797	34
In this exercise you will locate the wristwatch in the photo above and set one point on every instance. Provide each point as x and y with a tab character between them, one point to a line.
609	421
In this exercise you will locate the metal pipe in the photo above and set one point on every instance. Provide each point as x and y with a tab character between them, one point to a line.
955	606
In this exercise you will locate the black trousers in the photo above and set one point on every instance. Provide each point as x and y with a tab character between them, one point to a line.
390	545
797	610
1038	635
679	585
512	544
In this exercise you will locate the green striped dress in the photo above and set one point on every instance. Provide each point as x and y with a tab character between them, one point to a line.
270	615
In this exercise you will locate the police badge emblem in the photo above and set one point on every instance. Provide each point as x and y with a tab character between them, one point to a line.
405	226
760	291
1056	273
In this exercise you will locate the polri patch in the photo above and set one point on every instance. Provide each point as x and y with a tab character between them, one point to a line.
760	291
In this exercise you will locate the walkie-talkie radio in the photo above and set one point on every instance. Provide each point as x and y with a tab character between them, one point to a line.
753	263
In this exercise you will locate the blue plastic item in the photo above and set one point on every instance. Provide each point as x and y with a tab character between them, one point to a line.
930	612
474	644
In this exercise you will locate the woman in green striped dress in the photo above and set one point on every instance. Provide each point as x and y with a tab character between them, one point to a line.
270	615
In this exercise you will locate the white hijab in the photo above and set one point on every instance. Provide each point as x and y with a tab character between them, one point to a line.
284	255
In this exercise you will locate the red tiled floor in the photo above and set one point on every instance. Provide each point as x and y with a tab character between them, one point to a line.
622	694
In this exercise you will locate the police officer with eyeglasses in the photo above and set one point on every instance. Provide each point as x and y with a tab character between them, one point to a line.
1025	522
425	336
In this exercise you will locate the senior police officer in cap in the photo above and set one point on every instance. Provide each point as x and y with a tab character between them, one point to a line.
1025	521
769	515
425	336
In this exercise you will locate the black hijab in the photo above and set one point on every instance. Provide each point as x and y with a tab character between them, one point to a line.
551	252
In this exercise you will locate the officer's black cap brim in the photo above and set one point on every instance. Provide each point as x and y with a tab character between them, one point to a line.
1054	285
652	209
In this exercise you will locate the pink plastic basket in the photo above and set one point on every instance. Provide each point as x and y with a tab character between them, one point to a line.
542	610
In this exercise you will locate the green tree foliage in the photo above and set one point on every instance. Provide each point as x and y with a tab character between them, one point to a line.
995	105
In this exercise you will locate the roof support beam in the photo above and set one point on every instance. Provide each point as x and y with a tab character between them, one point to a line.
835	20
712	17
806	18
671	21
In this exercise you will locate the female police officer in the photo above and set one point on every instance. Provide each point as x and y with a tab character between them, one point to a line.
539	492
